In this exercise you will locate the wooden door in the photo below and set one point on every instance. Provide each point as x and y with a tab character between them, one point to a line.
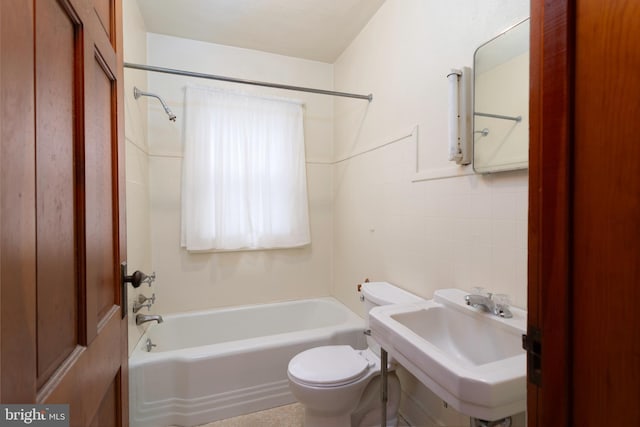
63	339
584	219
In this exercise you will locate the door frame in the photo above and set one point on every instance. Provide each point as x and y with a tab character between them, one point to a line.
550	145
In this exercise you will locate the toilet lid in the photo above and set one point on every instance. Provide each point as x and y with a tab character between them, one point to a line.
328	366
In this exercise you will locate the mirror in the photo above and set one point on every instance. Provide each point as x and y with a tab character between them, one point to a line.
501	102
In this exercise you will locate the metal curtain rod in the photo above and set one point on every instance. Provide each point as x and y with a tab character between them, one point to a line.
500	116
246	82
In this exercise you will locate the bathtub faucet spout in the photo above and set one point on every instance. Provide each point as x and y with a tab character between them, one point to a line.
142	318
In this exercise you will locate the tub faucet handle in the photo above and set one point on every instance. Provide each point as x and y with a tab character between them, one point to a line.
137	306
140	302
150	279
142	299
138	278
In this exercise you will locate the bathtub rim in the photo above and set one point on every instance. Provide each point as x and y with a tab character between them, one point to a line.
140	356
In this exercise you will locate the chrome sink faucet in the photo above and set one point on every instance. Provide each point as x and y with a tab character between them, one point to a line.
491	303
142	318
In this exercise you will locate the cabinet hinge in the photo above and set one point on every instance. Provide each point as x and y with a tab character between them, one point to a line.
532	343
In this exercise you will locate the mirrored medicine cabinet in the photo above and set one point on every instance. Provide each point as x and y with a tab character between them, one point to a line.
501	102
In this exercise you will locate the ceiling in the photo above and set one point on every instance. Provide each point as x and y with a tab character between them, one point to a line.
319	30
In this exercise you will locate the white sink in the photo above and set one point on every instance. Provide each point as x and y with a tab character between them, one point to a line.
471	359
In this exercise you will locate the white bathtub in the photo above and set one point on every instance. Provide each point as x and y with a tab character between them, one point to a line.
217	364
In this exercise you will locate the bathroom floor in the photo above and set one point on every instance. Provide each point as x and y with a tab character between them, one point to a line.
282	416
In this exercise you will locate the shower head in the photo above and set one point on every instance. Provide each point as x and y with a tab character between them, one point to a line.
137	93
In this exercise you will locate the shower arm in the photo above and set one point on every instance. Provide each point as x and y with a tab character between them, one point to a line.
137	93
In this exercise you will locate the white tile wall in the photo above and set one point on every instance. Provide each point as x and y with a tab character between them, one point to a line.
192	281
457	232
137	161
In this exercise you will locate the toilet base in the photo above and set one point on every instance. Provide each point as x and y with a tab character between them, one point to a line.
368	412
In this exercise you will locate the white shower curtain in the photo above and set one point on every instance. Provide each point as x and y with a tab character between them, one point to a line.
243	173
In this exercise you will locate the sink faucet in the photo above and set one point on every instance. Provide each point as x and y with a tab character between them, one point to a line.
142	318
487	302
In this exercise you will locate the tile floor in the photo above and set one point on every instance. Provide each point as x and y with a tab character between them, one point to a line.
283	416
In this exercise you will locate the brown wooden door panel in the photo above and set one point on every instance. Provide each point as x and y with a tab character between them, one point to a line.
85	380
99	184
105	11
63	339
606	214
56	141
17	202
108	412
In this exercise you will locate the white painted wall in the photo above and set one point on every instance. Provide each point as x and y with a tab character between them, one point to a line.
137	161
191	281
454	232
461	232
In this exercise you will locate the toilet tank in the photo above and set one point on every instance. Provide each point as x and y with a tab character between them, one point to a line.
383	293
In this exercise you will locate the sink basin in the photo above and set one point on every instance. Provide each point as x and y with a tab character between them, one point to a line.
466	340
471	359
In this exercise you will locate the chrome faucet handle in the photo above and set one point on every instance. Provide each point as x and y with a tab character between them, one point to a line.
480	291
501	305
137	278
142	298
149	345
502	311
149	279
502	299
138	306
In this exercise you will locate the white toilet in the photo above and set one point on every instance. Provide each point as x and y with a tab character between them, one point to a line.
339	385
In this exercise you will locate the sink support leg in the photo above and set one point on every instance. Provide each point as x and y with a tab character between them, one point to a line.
383	387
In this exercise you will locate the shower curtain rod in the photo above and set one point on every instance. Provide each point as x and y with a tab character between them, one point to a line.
242	81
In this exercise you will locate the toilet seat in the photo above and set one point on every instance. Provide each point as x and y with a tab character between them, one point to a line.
328	366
